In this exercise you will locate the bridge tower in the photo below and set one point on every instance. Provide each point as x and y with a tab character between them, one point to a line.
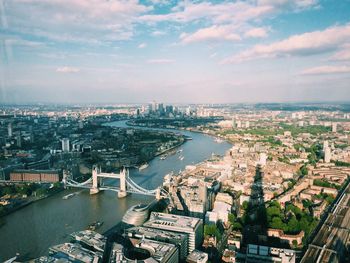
95	185
122	176
158	196
65	177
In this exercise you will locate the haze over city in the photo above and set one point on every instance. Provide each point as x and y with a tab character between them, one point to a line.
174	51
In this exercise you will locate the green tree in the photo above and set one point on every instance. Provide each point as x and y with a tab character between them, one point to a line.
41	192
293	226
303	170
237	226
8	190
231	218
273	211
245	205
278	224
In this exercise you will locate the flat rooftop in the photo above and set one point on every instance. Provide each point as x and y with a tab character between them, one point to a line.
152	233
169	221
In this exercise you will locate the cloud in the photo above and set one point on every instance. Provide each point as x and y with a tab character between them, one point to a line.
217	13
142	45
160	61
67	70
213	55
306	44
322	70
296	5
75	20
18	41
342	54
210	33
158	33
257	32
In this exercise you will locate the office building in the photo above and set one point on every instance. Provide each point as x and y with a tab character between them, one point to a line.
9	129
197	256
191	226
263	158
334	127
154	251
327	155
44	176
75	252
19	140
260	254
180	240
90	240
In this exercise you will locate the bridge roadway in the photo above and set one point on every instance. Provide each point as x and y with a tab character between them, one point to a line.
331	241
112	188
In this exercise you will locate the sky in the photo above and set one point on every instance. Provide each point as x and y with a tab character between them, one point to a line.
120	51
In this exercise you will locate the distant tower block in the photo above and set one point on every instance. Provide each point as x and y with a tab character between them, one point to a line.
65	145
334	127
325	145
263	158
9	129
327	155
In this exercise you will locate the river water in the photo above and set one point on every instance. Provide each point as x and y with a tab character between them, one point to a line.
31	230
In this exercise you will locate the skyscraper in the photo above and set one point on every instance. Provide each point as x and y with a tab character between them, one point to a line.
9	129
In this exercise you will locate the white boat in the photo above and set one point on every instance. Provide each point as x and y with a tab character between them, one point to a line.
68	196
144	166
11	260
181	157
218	140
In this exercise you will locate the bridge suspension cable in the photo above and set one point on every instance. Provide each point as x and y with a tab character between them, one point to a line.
72	182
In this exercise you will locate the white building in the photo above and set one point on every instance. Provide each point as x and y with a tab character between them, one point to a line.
257	253
327	155
263	158
9	129
222	210
211	218
65	145
334	127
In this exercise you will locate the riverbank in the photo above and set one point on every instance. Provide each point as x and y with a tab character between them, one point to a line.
32	230
28	202
212	134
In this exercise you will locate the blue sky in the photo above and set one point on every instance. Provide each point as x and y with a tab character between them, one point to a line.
116	51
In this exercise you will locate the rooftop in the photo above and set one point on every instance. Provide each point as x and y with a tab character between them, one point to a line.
172	221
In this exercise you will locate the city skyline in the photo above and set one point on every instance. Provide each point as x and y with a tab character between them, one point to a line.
88	51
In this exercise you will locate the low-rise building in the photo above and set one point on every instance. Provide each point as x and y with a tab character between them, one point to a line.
197	256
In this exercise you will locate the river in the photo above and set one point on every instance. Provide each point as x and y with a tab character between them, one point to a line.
31	230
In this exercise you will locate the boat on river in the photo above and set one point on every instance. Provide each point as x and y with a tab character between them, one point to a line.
68	196
219	140
144	166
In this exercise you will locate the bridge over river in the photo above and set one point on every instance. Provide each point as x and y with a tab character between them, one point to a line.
33	229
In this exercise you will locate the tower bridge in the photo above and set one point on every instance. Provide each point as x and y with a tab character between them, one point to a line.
126	185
